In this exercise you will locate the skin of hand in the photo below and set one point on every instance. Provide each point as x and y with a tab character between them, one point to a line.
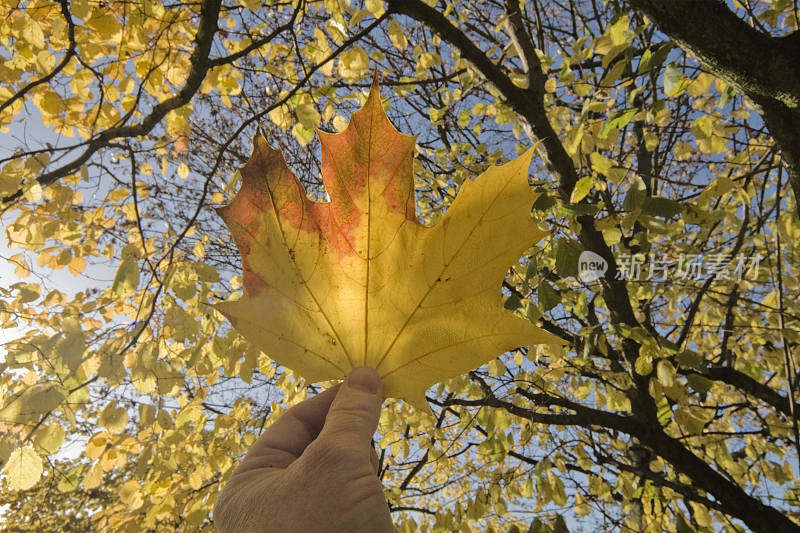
314	469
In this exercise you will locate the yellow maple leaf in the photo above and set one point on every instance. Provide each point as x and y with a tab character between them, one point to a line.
330	286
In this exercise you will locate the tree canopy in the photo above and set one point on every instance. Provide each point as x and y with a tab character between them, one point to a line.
667	148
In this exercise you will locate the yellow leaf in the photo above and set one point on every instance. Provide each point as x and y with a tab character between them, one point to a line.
93	477
112	458
573	141
126	278
614	73
77	265
96	445
308	115
701	514
353	63
71	344
21	270
80	8
69	481
164	420
117	195
375	7
106	25
330	286
397	36
199	250
302	134
49	438
113	418
252	5
666	373
601	163
281	117
32	33
339	123
33	191
429	59
23	468
183	170
581	189
32	403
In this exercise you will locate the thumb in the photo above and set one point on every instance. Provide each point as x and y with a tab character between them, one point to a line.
354	413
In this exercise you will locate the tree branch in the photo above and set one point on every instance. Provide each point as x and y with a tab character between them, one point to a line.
757	63
201	63
765	68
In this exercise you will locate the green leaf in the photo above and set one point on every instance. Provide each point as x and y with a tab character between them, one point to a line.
577	210
531	269
726	95
548	296
567	254
663	411
652	60
308	116
537	526
690	359
674	80
620	119
666	373
663	207
126	279
532	311
644	61
682	526
699	384
303	134
582	188
643	365
703	127
206	272
512	302
636	195
544	202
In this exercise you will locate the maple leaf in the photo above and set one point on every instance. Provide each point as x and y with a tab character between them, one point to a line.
330	286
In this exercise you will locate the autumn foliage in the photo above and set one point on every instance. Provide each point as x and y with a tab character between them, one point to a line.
145	342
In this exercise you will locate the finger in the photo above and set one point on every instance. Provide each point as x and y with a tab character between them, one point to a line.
354	413
285	440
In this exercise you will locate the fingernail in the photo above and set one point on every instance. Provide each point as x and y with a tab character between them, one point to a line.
364	379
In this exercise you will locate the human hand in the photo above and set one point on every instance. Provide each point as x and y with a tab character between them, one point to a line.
314	469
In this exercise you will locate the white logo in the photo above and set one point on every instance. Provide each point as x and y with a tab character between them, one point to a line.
591	267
